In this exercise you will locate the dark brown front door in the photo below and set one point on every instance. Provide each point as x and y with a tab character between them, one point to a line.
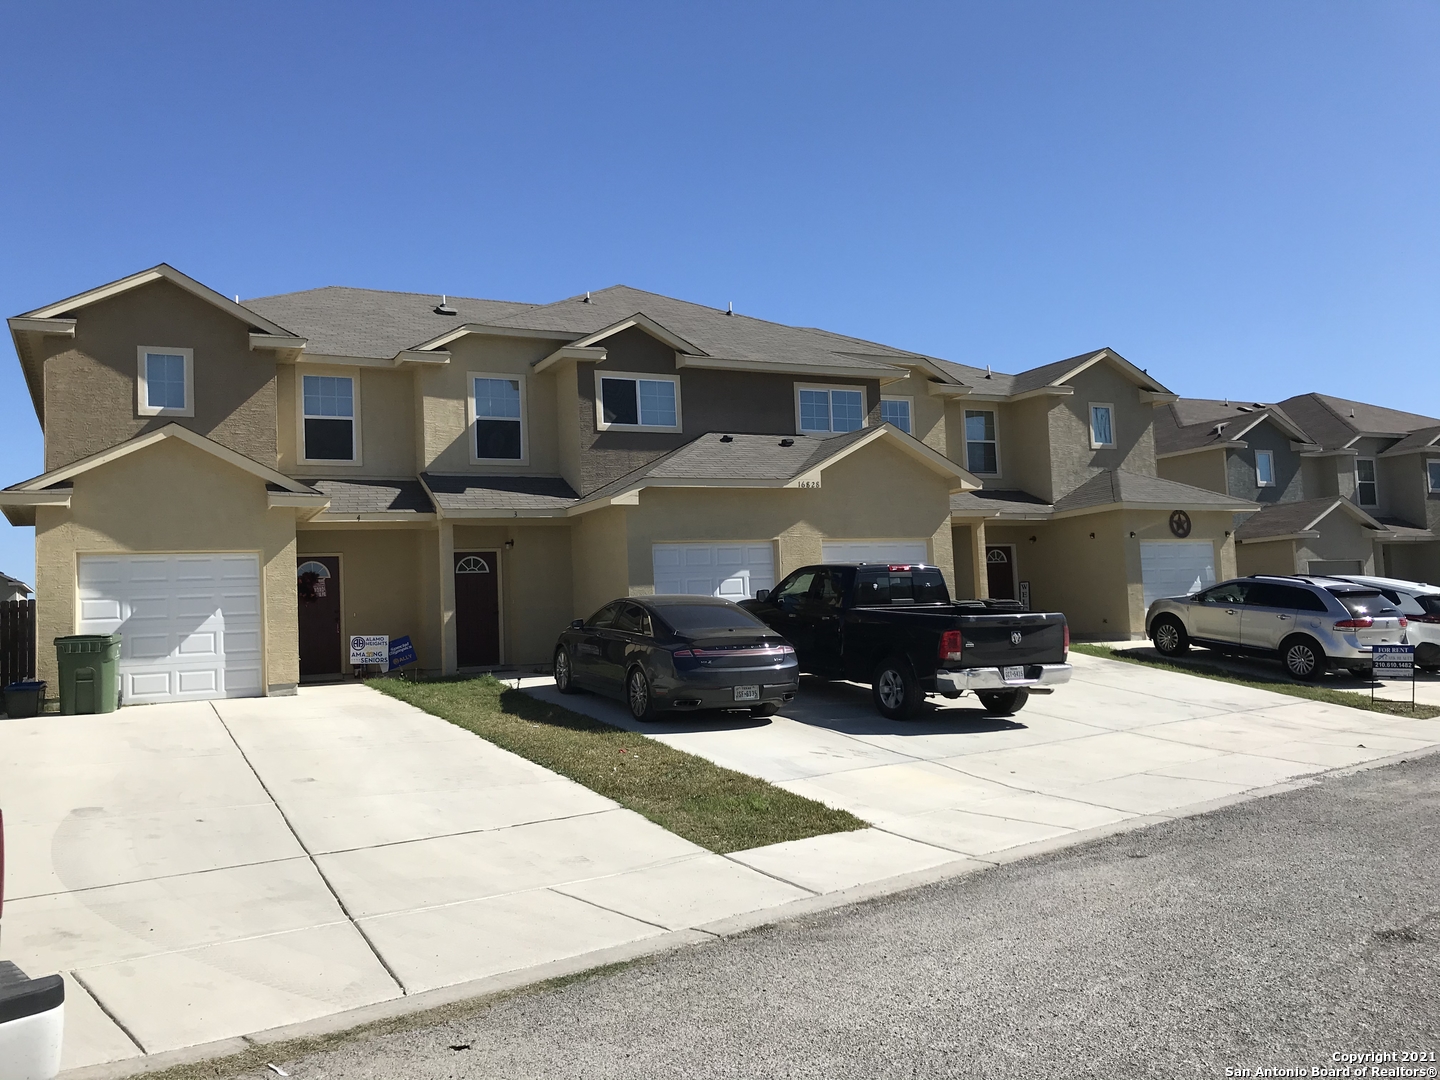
999	573
317	577
477	608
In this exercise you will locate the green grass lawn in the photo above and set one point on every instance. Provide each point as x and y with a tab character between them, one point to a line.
1279	685
708	805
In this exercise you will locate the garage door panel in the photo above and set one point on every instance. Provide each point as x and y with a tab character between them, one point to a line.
98	610
875	551
733	571
1175	567
145	646
146	685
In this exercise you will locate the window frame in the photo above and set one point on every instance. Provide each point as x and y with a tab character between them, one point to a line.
908	402
966	440
1095	443
353	375
636	377
1432	471
1375	483
472	418
142	388
860	388
1269	455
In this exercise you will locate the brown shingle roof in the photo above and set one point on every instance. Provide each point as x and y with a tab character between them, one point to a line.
457	493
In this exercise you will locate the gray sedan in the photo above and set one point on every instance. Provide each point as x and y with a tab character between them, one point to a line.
662	653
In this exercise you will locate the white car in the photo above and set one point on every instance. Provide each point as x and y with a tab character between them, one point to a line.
1420	604
32	1014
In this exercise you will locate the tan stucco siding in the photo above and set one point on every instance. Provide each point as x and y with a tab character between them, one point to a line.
1341	538
1022	443
928	421
91	380
1072	459
387	422
1273	557
598	558
1205	469
536	598
962	544
168	498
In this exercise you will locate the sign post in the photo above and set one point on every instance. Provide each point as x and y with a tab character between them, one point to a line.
1394	662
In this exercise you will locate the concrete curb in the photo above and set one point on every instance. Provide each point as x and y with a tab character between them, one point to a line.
478	989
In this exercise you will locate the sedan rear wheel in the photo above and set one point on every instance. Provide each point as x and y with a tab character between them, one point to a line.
637	696
1303	658
1169	636
564	675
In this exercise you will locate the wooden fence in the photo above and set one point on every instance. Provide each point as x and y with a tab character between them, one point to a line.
17	640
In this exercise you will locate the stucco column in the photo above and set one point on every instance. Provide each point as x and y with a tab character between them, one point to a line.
448	651
977	552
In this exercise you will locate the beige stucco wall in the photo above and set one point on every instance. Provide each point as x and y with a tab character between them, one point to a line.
169	497
1341	537
600	565
536	597
962	550
927	413
1205	469
1023	438
1072	460
90	380
387	422
1272	557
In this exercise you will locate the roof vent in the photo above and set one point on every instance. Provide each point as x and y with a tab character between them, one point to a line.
727	438
730	308
787	442
587	299
1352	414
1219	429
444	308
987	371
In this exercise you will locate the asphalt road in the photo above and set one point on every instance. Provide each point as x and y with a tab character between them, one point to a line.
1271	934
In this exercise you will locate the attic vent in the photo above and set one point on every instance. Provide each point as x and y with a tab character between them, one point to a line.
444	308
1219	429
730	308
787	442
1352	414
727	438
587	299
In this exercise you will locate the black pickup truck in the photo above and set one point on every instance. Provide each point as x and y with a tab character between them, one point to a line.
896	628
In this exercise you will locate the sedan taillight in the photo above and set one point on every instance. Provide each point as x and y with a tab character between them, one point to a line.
952	645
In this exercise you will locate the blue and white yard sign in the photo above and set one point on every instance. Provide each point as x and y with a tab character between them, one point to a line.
402	652
1394	661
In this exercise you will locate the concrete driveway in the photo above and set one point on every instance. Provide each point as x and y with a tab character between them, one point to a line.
1119	743
203	871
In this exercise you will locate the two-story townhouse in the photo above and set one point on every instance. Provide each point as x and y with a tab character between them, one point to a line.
1343	487
1073	514
238	488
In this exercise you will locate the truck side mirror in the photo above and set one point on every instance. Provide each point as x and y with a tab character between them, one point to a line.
577	624
761	594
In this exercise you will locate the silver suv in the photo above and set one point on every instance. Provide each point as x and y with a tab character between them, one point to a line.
1307	623
1419	603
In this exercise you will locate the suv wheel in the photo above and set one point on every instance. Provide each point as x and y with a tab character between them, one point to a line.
1169	636
897	693
1303	658
564	674
1003	702
637	696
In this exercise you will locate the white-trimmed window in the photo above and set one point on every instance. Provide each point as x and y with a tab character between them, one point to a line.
165	383
329	424
636	401
826	410
1102	425
1433	467
896	410
1367	490
497	419
1265	468
982	447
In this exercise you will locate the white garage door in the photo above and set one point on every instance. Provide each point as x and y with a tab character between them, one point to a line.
734	571
880	551
1175	567
190	623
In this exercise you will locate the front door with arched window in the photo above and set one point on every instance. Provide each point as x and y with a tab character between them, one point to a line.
317	583
1000	571
477	608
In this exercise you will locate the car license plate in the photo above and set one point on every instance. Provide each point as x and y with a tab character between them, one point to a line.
747	693
1011	674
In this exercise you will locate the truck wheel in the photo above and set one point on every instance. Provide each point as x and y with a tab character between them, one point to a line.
1003	702
897	693
1169	636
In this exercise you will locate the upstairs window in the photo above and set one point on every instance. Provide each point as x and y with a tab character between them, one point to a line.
497	411
329	418
1434	468
896	410
824	410
165	383
1367	491
1265	468
982	451
1102	426
642	402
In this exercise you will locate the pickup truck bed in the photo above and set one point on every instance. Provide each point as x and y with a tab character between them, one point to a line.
896	628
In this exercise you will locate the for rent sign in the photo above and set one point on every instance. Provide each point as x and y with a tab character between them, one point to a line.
1394	661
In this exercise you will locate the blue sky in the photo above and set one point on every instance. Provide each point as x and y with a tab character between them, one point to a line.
1241	198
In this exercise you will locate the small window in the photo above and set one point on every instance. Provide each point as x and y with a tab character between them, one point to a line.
604	618
1265	468
793	589
165	381
829	410
1102	427
1229	594
982	452
1367	491
329	417
633	619
1434	469
497	407
637	401
896	410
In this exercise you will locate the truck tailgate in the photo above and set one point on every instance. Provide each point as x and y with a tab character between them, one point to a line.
1003	640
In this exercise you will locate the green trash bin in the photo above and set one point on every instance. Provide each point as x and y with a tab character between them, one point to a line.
89	673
